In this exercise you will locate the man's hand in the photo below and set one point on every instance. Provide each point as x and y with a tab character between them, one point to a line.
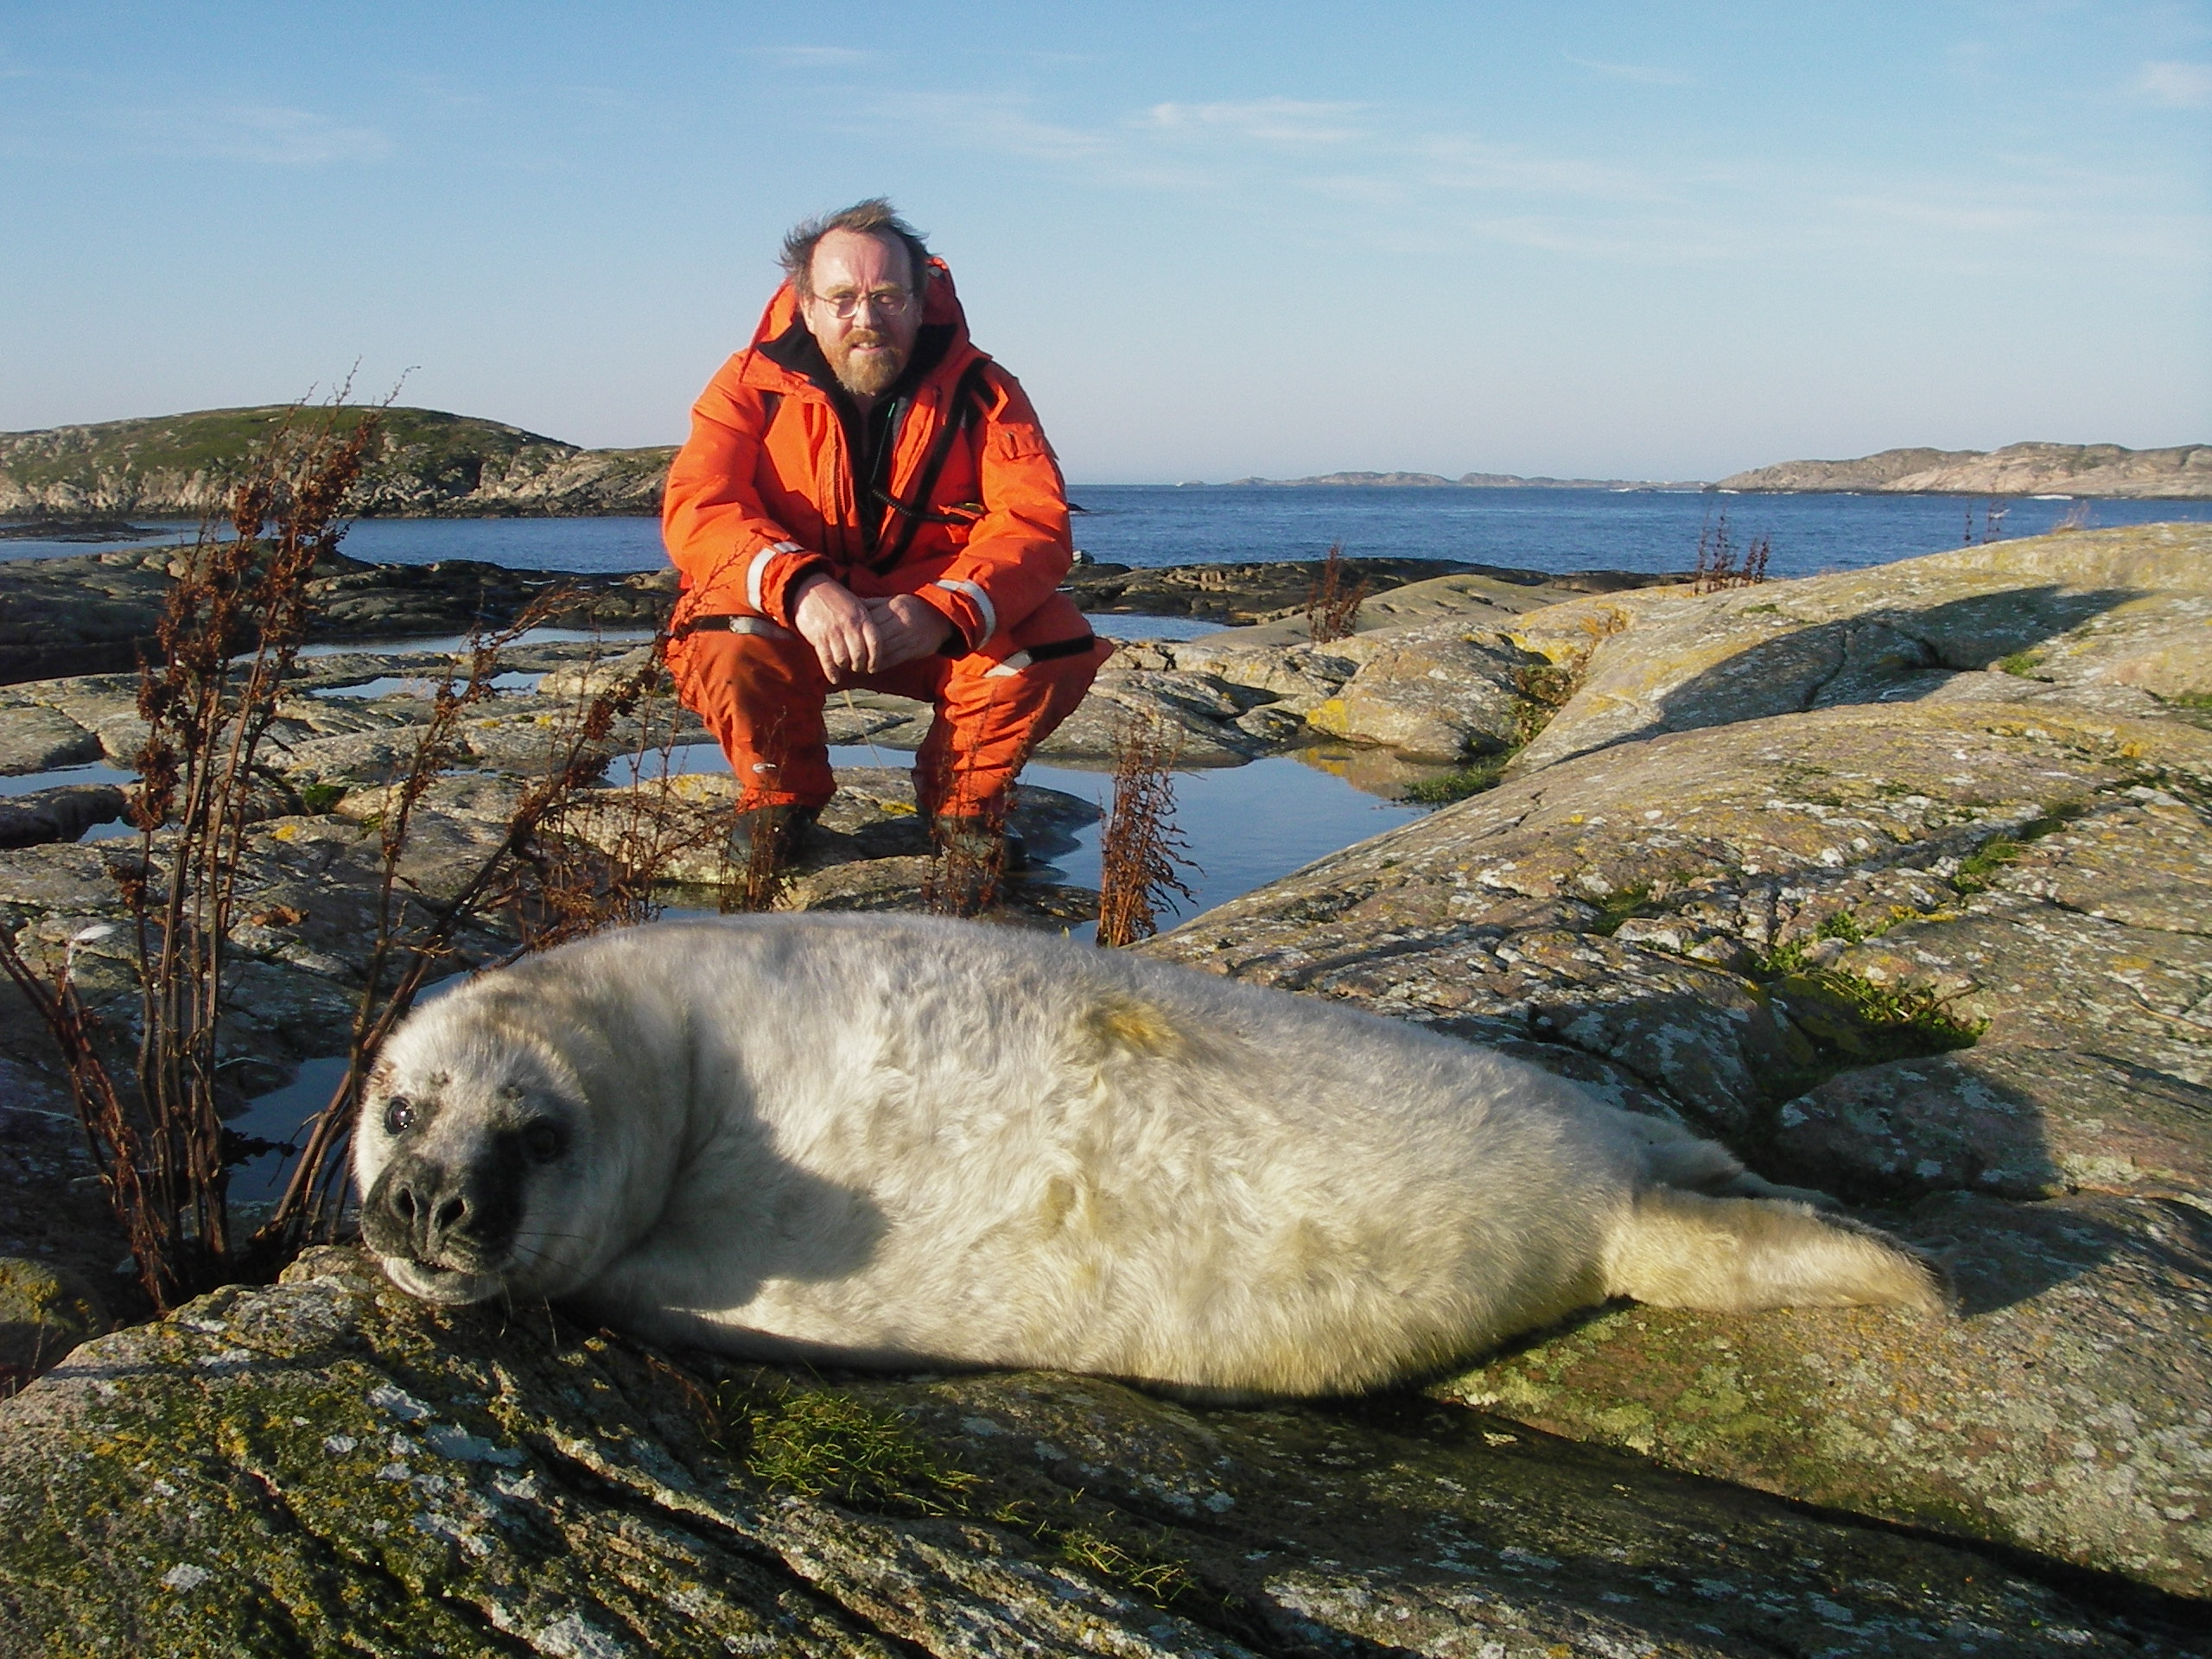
853	636
906	627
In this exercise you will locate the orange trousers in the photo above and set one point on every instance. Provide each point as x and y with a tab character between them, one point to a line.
762	695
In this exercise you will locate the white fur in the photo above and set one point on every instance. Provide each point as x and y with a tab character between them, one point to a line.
904	1142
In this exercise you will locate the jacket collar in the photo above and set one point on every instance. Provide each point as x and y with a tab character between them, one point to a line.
785	356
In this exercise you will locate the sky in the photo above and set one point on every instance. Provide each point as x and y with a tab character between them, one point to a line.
1640	240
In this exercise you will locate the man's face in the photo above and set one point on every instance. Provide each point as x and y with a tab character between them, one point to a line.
868	349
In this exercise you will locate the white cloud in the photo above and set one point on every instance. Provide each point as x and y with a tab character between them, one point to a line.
1975	220
1273	120
2178	85
1641	75
1459	163
992	122
273	136
818	57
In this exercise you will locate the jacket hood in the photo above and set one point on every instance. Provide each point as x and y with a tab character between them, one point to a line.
941	314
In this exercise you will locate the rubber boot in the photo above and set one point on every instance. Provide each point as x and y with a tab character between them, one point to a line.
771	837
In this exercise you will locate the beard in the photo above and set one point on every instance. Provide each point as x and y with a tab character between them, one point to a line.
866	362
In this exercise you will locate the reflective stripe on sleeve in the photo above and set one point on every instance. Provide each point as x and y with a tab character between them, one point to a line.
983	603
757	572
1012	665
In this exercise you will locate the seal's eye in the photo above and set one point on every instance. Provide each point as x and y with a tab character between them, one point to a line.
399	1115
543	1141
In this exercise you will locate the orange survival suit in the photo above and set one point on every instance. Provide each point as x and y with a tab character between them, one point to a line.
961	505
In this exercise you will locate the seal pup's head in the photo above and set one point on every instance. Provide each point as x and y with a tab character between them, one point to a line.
474	1155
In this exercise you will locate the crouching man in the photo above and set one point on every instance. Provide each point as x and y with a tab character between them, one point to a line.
867	500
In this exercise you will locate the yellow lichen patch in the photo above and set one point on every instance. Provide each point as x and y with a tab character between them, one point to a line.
1134	1027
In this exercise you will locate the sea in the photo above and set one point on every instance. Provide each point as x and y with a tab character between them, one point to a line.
1548	530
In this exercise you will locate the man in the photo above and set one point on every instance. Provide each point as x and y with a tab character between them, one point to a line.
866	500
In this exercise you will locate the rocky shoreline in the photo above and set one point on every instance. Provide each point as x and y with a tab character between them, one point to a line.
1898	880
2102	470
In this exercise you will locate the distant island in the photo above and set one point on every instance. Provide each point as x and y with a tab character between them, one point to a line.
432	464
1464	481
2181	473
428	464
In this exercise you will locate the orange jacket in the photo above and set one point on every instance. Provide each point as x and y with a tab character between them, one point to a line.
764	492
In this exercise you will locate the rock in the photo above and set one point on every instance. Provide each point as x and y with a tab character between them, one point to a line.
1436	691
2017	1122
97	612
1281	590
365	1473
1889	878
44	1313
2087	617
2069	1411
1199	713
1232	593
2081	469
61	814
36	738
869	850
1275	659
1487	591
1938	944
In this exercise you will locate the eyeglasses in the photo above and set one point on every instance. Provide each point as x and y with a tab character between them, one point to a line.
884	301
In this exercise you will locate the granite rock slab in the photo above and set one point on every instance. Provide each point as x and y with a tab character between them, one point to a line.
327	1467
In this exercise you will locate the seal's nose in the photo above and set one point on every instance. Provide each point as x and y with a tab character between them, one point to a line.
436	1213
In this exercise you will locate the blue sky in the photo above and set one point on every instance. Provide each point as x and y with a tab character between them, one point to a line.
1648	241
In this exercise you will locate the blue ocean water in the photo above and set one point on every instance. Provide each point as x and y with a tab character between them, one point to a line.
1534	530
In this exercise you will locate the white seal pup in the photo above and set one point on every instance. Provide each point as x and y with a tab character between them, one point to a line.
905	1142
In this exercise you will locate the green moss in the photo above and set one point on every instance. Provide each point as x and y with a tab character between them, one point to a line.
321	797
2194	707
1458	785
2020	663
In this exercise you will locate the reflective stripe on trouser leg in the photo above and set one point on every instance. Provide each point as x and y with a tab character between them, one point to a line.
987	724
761	697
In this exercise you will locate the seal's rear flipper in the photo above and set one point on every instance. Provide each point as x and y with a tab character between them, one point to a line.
1684	1250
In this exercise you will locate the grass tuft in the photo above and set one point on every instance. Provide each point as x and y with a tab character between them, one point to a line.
1619	905
823	1443
1458	784
1842	925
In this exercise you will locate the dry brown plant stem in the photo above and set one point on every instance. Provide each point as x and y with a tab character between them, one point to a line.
1717	569
154	1127
1333	603
208	711
405	951
1142	851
